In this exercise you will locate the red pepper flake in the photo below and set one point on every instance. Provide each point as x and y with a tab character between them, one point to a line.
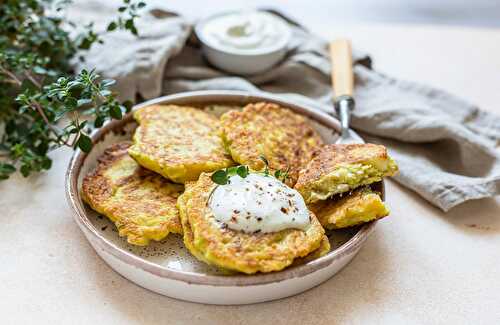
233	219
236	211
284	210
259	219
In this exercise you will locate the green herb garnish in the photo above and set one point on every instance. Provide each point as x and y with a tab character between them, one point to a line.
222	176
242	171
282	175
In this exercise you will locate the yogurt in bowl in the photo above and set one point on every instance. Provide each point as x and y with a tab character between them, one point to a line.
244	42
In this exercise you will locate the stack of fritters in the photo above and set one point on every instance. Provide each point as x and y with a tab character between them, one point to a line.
185	145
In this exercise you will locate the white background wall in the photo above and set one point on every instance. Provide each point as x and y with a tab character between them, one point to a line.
449	12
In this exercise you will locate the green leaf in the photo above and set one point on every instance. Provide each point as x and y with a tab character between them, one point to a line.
134	30
112	26
108	82
220	177
7	168
141	5
128	105
99	121
71	102
105	92
39	70
242	171
84	143
25	170
84	101
115	112
42	148
122	9
129	24
75	88
46	164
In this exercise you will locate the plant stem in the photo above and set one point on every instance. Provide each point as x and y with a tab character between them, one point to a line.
40	111
11	75
33	80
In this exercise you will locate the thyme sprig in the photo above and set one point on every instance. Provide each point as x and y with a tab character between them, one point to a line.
44	103
222	176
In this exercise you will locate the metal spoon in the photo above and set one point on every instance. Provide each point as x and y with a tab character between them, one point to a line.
343	85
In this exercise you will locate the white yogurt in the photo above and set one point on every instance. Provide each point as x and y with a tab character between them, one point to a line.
258	203
245	32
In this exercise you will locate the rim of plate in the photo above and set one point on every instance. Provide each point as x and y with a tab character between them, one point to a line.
205	97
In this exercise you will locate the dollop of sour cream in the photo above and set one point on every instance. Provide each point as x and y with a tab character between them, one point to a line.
245	31
258	203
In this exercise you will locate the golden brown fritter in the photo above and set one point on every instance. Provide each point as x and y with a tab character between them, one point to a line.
141	203
178	142
212	243
363	205
323	249
340	168
283	137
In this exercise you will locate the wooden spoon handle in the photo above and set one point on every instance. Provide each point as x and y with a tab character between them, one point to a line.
342	75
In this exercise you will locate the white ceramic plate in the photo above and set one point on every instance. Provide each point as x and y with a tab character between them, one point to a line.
166	267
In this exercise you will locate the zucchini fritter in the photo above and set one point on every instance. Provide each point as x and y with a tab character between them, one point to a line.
284	138
178	142
214	244
141	203
363	205
323	249
340	168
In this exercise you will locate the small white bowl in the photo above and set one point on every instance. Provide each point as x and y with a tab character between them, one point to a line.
239	61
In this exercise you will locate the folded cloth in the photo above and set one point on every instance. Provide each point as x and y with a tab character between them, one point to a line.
447	149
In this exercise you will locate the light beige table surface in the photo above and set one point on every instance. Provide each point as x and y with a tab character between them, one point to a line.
420	266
